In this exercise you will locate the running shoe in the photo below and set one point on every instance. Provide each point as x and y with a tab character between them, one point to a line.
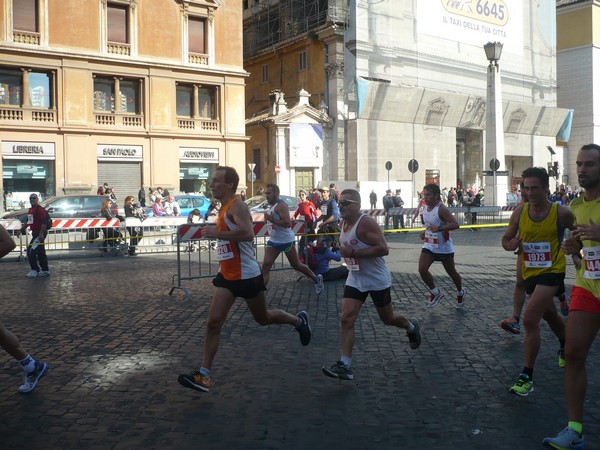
562	362
567	438
523	386
30	380
564	304
44	273
319	284
195	380
434	299
414	338
304	329
511	325
460	299
32	274
339	370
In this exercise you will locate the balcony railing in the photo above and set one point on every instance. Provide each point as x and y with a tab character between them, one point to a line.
203	125
198	58
26	115
24	37
118	49
119	120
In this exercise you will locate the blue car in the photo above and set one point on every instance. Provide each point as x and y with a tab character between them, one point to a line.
188	203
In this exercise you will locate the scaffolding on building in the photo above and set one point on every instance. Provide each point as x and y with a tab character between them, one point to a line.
278	21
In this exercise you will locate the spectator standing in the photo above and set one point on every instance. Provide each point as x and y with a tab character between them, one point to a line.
157	208
110	233
330	216
132	210
308	213
33	370
373	199
475	203
333	192
142	196
37	218
398	203
175	208
102	189
315	198
388	203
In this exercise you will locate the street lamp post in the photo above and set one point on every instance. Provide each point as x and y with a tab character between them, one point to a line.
494	126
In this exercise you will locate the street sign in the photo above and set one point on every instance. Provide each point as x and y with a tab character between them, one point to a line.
252	177
388	165
251	166
413	165
494	164
277	169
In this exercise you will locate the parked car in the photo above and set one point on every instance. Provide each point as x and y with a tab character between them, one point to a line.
65	207
187	203
259	204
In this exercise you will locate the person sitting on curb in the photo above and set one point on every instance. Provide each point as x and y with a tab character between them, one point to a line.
319	257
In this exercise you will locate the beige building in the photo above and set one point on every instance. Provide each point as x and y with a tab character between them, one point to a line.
119	91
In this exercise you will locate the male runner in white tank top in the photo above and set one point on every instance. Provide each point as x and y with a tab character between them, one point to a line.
363	246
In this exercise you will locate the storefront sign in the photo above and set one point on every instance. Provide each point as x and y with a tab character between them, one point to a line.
28	150
199	155
119	152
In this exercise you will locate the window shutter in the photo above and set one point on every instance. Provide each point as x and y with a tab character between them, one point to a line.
117	24
25	17
196	35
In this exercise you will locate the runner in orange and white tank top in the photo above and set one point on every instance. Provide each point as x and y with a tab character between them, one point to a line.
239	276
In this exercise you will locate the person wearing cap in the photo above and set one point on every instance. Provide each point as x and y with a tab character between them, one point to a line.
330	213
388	203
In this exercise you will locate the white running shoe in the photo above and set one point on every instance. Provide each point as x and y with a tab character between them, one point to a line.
460	299
44	273
319	284
32	274
435	299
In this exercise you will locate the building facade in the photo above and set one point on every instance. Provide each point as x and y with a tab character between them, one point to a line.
578	40
405	80
127	92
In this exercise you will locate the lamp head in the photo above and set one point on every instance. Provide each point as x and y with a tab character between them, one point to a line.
493	51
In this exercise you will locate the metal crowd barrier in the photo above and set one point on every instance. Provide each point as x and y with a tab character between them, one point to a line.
197	258
13	226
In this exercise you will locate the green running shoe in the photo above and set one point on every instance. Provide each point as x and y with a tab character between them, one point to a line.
562	362
523	386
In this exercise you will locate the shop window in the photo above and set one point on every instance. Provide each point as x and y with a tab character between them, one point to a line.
196	101
38	86
127	93
118	27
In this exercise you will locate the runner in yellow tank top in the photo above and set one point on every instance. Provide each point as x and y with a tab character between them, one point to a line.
536	228
584	312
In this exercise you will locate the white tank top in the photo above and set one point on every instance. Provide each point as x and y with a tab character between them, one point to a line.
365	274
436	241
278	234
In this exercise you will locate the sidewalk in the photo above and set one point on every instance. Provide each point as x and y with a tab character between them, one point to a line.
116	343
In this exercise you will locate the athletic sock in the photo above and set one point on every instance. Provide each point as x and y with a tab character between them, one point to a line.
205	372
347	361
27	364
577	426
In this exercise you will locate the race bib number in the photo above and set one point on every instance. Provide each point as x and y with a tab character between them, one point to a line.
537	254
324	209
592	263
352	264
224	251
431	239
29	219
